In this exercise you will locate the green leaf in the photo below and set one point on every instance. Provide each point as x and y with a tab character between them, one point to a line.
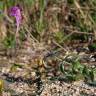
22	35
42	5
71	77
91	75
29	2
9	3
40	23
70	1
79	76
40	26
77	67
86	73
59	36
15	66
1	5
9	41
62	68
93	45
1	9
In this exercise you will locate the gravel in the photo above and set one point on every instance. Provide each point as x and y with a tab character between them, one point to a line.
67	89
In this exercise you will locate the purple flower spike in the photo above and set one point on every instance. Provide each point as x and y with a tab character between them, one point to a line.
16	12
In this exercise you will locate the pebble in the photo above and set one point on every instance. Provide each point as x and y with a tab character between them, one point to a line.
68	89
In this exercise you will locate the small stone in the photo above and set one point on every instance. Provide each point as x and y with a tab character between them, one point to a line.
5	70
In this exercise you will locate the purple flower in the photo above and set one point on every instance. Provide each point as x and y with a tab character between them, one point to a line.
16	12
